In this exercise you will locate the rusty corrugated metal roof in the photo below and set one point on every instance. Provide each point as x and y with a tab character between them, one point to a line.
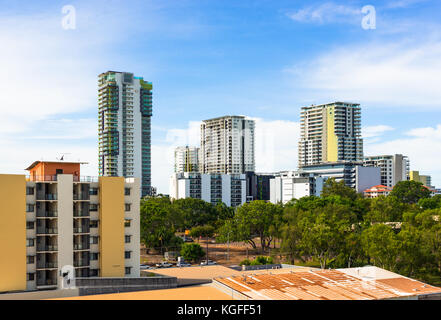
325	285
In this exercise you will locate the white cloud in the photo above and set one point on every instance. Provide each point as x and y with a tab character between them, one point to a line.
375	131
327	13
423	147
402	74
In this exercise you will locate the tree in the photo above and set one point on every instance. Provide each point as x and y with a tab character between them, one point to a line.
158	223
410	192
253	220
430	203
380	244
323	233
334	188
385	209
194	212
202	231
192	252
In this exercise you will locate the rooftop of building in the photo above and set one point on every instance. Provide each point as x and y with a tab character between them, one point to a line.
200	274
330	104
60	162
367	283
201	292
224	117
378	188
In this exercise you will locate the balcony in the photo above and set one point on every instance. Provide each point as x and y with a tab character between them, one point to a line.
81	246
81	263
81	214
47	214
81	230
47	248
47	282
47	196
47	265
41	231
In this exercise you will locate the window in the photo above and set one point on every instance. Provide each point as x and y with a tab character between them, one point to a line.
93	191
127	239
93	207
29	242
30	208
30	276
30	259
127	191
30	191
94	256
93	240
30	225
127	254
128	270
94	223
128	205
126	223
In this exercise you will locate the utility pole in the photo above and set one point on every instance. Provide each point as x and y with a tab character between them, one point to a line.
207	250
228	247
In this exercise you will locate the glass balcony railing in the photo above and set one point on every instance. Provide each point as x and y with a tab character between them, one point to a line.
47	230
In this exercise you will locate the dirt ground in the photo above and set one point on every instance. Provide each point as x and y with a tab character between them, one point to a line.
222	253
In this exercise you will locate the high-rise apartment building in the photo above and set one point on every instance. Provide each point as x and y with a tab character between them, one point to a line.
186	159
227	188
330	133
124	127
289	185
424	179
56	221
227	145
394	168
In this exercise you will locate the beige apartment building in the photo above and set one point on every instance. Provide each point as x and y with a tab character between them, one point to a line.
56	220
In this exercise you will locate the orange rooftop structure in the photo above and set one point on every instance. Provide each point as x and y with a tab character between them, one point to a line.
48	170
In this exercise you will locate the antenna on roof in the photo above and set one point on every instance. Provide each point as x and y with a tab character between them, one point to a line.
62	156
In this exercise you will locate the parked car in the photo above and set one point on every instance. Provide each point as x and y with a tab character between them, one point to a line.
164	265
210	262
145	267
183	264
187	239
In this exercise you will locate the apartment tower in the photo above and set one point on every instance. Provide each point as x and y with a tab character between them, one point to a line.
124	127
227	145
56	221
394	168
330	133
186	159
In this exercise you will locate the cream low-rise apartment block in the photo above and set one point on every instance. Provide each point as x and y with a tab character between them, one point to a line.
56	220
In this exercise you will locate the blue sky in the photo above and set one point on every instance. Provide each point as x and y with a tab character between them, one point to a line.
263	59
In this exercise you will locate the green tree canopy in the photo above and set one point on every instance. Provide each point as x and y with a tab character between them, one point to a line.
334	188
192	252
410	192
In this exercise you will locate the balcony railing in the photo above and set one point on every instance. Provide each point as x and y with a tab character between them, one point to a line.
81	246
54	178
81	230
81	263
47	214
47	282
47	230
81	213
47	248
47	196
47	265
